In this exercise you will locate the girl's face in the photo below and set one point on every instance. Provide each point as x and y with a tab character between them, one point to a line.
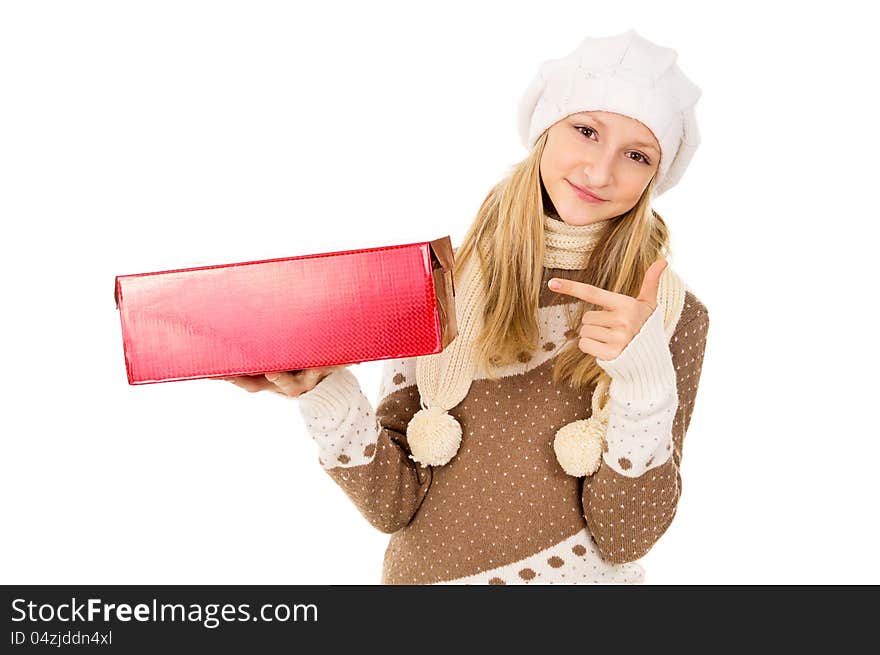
611	155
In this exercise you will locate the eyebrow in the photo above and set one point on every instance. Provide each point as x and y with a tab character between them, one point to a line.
635	143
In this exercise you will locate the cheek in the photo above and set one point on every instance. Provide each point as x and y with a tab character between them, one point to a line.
633	184
561	157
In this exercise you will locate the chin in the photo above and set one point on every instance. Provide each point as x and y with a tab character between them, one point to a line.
574	219
582	218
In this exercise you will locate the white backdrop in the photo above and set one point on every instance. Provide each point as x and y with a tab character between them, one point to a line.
142	136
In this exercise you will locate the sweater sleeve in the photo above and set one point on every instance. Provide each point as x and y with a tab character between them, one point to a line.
630	501
365	450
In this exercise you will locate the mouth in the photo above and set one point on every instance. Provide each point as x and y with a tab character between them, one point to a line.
585	192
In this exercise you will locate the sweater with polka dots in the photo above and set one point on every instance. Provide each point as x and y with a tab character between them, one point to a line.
503	511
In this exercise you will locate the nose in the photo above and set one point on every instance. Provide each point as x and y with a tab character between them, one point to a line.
598	171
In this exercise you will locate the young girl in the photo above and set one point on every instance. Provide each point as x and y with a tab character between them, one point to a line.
544	444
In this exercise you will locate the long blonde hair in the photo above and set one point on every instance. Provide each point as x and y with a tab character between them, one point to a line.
508	236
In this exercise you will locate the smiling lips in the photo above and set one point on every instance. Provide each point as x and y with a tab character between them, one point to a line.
584	193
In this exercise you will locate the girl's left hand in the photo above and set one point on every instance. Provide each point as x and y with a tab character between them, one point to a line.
605	334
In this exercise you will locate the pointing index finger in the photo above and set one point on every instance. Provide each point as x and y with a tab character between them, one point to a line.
587	292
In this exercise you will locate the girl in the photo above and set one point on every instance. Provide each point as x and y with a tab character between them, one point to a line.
544	444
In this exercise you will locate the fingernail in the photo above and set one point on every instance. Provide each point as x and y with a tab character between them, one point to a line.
272	377
554	284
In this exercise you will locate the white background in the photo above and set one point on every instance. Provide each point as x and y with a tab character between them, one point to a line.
142	136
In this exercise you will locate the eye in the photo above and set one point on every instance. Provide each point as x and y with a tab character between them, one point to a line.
579	128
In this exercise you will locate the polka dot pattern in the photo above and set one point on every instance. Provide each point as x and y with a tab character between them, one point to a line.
574	560
642	401
366	452
629	514
552	320
503	511
341	420
504	495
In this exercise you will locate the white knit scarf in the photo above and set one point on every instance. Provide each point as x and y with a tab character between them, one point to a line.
444	378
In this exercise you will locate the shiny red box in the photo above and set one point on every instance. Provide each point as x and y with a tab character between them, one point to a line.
284	314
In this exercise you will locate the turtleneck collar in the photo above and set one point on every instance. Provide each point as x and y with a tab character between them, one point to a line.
569	246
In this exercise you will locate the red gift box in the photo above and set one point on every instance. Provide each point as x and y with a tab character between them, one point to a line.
285	314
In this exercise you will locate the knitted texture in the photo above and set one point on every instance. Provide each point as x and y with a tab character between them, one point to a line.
569	246
444	378
503	511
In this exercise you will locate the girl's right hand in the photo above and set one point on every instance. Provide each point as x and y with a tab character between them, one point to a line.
288	383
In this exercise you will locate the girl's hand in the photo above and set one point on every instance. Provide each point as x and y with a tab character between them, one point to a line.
605	334
288	383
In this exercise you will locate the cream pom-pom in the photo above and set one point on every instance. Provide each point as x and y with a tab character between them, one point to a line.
434	436
579	446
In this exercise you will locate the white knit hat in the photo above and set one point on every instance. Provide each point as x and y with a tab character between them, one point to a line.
625	74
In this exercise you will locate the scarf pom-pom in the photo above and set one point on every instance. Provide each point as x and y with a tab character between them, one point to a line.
434	437
579	446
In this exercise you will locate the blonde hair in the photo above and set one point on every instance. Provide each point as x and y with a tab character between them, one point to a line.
508	236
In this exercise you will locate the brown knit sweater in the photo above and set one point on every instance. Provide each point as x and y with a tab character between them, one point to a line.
503	511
